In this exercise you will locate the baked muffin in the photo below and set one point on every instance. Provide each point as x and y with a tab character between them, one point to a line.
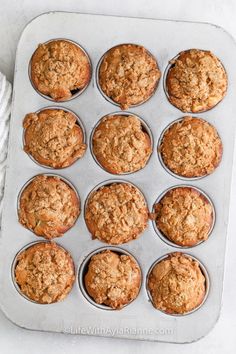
45	273
120	144
177	284
116	213
48	206
191	147
59	69
128	74
53	137
196	81
184	216
112	279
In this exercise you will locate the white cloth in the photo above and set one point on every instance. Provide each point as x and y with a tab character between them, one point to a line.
5	109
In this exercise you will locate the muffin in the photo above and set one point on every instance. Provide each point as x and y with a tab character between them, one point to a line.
53	138
112	279
59	69
196	81
116	213
177	284
45	273
184	216
120	144
191	148
128	75
48	206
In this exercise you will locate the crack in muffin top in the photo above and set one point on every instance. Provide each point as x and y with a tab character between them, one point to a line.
53	137
58	68
113	279
120	144
45	273
128	74
116	213
177	284
196	81
191	147
184	216
48	206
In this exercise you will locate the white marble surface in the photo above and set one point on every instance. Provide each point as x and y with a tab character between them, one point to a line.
14	15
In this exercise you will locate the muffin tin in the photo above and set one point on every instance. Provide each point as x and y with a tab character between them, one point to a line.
139	319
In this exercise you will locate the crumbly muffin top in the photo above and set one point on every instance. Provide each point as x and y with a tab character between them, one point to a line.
184	216
48	206
53	137
191	147
45	273
58	68
120	144
116	213
113	279
177	284
196	81
128	74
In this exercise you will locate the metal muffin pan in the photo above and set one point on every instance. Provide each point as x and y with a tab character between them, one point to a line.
75	314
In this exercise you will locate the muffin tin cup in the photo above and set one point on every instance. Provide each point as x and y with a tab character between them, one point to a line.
49	175
169	66
78	122
165	238
183	178
108	183
14	264
83	270
207	284
78	91
110	99
145	128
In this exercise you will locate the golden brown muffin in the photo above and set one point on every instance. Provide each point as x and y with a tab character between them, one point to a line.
177	284
191	148
53	137
48	206
184	216
116	213
121	145
59	68
45	273
113	279
128	74
196	81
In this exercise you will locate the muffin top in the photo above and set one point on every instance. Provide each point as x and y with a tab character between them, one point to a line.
45	273
196	81
177	284
113	279
48	206
128	74
58	68
184	216
120	144
53	137
116	213
191	148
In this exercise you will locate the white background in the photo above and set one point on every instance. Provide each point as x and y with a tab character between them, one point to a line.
14	15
